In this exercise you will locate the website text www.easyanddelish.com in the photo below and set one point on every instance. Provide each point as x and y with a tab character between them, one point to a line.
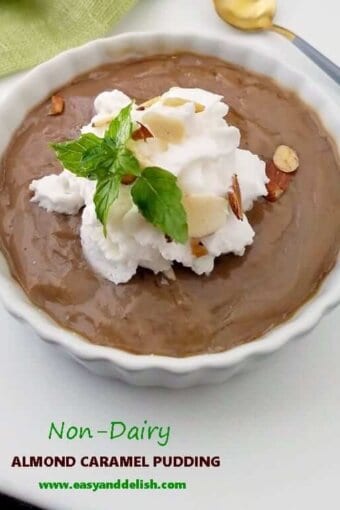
118	484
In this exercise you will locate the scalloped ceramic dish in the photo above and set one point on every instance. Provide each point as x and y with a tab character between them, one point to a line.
142	369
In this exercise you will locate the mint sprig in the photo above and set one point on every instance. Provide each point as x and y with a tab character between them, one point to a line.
158	198
107	191
107	160
71	153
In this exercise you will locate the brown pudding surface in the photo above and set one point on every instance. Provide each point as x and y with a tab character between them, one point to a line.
297	238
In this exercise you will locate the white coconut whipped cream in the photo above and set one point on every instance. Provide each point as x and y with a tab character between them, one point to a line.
201	150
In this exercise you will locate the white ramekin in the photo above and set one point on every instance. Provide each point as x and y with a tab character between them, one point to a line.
158	370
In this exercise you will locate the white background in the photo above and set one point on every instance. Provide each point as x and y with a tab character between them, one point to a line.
277	429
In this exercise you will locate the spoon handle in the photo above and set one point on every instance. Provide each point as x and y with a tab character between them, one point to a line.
323	62
318	58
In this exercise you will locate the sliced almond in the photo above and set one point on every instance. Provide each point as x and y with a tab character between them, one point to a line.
278	182
274	191
103	121
178	101
149	103
205	214
166	128
197	248
286	159
142	133
235	199
276	175
57	105
128	179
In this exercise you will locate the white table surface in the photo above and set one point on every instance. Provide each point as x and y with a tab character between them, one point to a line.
277	429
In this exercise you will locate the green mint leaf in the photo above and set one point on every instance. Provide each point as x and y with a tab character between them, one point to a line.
107	191
159	200
98	161
70	153
126	163
97	156
120	128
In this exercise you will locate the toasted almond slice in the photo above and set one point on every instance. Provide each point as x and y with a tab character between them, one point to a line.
178	101
205	214
286	159
142	133
276	175
278	181
197	248
235	199
128	179
57	105
166	128
103	121
149	103
274	191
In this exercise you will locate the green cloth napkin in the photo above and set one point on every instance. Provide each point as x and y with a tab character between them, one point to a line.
32	31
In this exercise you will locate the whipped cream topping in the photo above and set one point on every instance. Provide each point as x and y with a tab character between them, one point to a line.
204	161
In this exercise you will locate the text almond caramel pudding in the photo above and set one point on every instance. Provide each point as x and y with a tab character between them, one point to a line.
296	238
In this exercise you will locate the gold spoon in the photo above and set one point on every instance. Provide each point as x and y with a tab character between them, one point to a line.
259	15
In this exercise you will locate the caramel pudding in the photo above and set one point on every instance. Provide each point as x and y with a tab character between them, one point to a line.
296	240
